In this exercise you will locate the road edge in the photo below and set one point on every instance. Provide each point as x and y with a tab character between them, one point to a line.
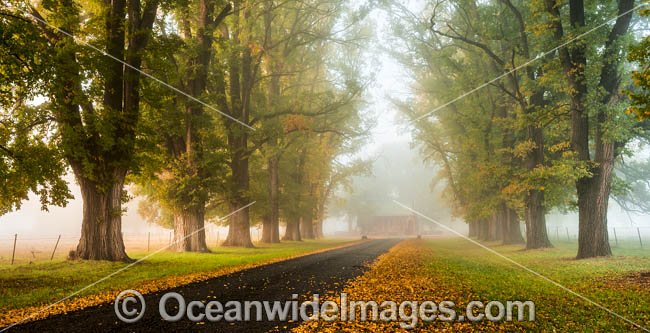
9	317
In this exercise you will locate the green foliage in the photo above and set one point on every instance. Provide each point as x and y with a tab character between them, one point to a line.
640	54
483	142
302	95
73	126
30	158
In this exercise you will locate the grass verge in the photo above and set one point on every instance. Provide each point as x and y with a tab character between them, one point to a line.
25	289
456	270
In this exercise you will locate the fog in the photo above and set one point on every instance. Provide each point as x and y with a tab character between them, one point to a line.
66	221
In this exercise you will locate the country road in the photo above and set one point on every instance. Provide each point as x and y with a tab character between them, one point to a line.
313	274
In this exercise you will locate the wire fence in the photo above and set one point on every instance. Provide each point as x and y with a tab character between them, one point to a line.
20	249
617	235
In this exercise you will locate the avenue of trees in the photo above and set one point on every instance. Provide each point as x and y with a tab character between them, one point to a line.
552	127
201	107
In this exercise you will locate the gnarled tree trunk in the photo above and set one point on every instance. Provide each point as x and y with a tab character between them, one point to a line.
101	228
100	162
593	199
593	192
239	232
189	232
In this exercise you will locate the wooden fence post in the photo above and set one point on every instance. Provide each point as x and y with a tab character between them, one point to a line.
55	245
14	252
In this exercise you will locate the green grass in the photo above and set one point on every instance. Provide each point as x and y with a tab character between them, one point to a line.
44	282
476	274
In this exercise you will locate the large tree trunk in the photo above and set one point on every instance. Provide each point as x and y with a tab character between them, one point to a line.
483	230
274	68
593	198
307	226
189	232
536	234
493	228
101	227
512	228
239	227
239	230
320	215
267	232
294	220
91	155
496	227
318	229
272	228
593	192
535	210
292	232
241	85
276	230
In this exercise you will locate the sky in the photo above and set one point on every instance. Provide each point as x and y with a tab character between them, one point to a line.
391	81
